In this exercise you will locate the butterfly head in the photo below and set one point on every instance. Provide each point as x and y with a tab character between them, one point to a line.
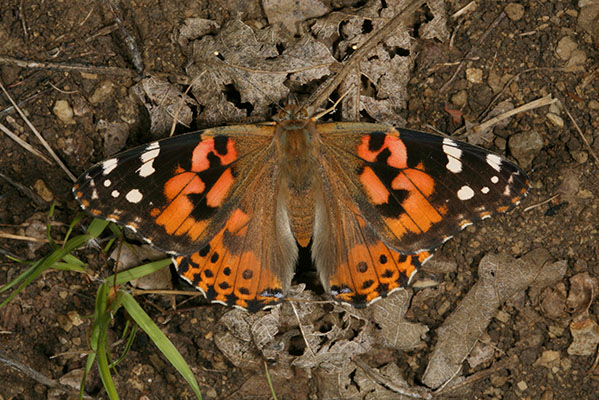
292	112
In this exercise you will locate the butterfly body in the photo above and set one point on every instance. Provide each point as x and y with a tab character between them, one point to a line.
232	204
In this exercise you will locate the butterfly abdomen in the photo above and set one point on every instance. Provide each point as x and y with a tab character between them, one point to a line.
297	173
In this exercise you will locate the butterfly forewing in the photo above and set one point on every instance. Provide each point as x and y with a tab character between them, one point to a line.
417	189
176	193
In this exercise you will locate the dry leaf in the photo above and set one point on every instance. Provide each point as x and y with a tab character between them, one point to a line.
395	331
251	73
163	101
290	13
583	290
501	277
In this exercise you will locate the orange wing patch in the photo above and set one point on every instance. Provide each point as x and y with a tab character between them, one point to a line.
400	192
373	272
229	274
193	196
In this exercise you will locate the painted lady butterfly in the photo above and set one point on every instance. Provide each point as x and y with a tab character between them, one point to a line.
231	204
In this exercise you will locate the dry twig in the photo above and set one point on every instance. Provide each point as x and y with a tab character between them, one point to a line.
39	136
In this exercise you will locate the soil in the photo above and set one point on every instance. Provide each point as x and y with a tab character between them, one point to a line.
536	48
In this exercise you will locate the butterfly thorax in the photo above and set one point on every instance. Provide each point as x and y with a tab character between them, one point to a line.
296	141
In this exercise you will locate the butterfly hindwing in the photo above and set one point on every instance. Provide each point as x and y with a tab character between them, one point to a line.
250	261
355	265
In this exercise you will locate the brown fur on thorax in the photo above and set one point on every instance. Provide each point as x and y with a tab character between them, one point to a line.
297	142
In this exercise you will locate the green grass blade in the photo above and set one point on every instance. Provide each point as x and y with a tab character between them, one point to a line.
138	272
272	389
128	344
37	268
89	363
160	340
99	338
63	266
96	227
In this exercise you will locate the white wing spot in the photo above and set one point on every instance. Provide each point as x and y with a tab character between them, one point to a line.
507	191
94	194
107	182
485	190
108	166
494	162
465	224
134	196
147	159
115	193
454	153
494	179
465	193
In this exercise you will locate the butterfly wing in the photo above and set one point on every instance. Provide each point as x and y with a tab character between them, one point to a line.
210	199
250	261
355	265
392	196
177	193
416	190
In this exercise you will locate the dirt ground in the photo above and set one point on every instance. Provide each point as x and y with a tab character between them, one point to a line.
540	343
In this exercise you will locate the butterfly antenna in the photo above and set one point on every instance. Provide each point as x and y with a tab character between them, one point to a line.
334	106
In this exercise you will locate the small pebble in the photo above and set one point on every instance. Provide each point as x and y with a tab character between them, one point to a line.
548	359
555	119
43	191
580	156
102	93
459	99
585	337
524	146
565	47
514	11
63	111
474	75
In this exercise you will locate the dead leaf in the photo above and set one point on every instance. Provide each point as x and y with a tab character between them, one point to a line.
394	330
583	290
290	13
501	277
250	73
131	255
163	101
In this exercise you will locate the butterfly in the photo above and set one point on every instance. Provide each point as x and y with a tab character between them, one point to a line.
233	204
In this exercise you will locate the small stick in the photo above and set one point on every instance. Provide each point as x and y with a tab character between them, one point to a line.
129	40
26	191
35	375
301	327
584	139
39	136
555	196
66	67
415	392
24	144
325	90
6	235
509	82
503	364
23	22
543	101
